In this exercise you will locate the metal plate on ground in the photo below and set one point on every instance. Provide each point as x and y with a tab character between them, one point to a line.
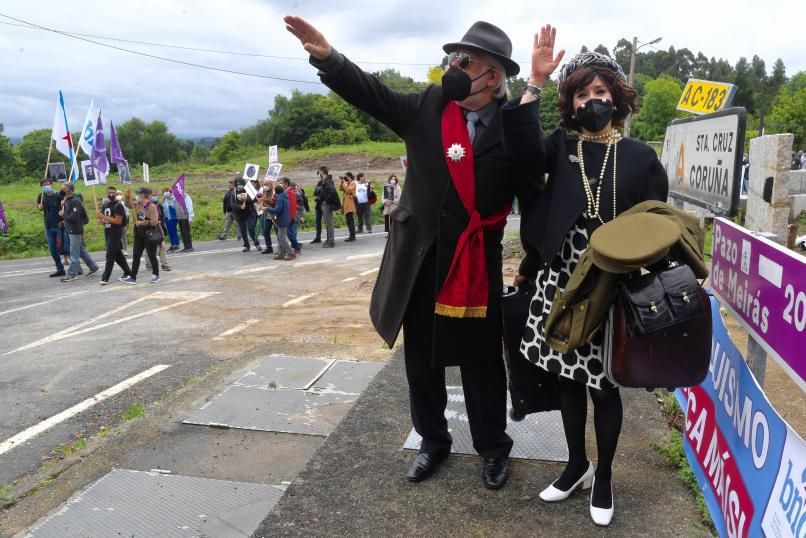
136	503
317	411
284	372
539	436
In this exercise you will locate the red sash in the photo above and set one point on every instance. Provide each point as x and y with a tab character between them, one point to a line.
465	291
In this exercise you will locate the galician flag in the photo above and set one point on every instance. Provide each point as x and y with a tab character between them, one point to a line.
116	154
98	155
87	138
61	135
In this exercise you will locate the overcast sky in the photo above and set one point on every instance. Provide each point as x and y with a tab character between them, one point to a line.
35	64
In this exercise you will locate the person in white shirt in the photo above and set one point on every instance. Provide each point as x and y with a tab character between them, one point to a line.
362	190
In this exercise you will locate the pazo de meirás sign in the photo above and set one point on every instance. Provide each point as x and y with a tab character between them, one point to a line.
764	286
703	156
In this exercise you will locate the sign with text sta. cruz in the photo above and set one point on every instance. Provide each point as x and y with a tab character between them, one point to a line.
764	286
703	158
704	96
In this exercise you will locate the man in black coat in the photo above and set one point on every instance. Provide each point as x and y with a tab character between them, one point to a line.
435	215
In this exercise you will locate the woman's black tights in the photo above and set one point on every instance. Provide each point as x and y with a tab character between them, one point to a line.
607	415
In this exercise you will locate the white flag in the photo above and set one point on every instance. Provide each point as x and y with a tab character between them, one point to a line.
87	138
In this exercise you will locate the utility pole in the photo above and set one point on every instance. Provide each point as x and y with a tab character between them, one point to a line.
630	77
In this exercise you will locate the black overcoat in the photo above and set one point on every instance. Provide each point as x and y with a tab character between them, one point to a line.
430	217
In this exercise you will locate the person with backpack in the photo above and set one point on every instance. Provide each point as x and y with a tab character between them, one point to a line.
113	217
295	202
75	217
282	214
330	202
147	233
161	251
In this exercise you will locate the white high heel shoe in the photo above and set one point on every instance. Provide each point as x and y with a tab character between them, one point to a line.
552	494
603	516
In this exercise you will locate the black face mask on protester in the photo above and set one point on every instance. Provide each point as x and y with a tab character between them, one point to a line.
595	114
456	84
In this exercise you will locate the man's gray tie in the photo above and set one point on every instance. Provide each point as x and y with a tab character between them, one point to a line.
472	118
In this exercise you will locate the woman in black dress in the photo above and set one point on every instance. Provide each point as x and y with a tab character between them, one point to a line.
593	175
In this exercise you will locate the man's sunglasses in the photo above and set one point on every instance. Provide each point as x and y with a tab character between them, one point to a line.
462	59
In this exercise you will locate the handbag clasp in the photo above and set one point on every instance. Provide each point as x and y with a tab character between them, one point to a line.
653	307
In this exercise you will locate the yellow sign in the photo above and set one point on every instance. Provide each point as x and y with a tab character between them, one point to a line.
704	96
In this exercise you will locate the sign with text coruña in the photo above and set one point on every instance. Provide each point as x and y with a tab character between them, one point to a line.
703	157
764	286
705	96
750	464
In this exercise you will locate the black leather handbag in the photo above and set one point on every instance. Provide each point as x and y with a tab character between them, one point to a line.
153	235
660	299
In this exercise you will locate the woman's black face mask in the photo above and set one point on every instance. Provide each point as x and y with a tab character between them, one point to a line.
595	114
456	84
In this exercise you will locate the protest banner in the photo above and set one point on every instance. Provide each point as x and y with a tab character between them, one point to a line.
273	171
3	219
250	190
57	172
89	173
124	172
764	286
250	171
703	157
146	173
178	190
750	464
60	134
273	155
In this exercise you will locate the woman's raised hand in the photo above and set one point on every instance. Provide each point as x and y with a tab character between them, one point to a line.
544	62
312	39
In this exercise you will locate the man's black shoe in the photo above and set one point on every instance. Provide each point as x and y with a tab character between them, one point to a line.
495	472
316	240
268	250
245	249
57	273
424	465
349	239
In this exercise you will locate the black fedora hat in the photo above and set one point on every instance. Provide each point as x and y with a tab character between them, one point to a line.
491	40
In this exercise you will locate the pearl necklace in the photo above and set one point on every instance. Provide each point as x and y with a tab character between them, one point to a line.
593	203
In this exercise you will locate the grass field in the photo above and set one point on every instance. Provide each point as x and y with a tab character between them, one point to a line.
205	183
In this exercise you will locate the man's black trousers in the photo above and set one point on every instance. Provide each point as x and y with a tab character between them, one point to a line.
485	386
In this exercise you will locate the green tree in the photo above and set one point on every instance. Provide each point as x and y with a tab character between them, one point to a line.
788	114
549	107
151	143
659	108
229	144
33	152
10	166
434	74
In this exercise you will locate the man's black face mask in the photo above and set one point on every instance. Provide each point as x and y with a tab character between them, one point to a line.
456	84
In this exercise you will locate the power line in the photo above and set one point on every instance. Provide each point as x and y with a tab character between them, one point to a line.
172	60
29	26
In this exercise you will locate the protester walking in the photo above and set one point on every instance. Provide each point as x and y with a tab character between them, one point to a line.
266	200
113	218
146	233
297	212
161	250
608	175
246	215
229	212
75	217
184	218
282	214
50	204
169	209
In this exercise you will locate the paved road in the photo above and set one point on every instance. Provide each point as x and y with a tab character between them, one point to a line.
64	343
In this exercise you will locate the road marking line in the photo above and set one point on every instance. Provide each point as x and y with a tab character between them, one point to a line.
253	270
297	300
77	329
349	279
365	273
45	425
312	262
237	329
362	256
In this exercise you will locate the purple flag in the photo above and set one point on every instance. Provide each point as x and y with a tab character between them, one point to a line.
115	153
3	221
178	190
98	156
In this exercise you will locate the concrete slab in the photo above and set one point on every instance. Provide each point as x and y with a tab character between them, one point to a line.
135	503
284	372
548	446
